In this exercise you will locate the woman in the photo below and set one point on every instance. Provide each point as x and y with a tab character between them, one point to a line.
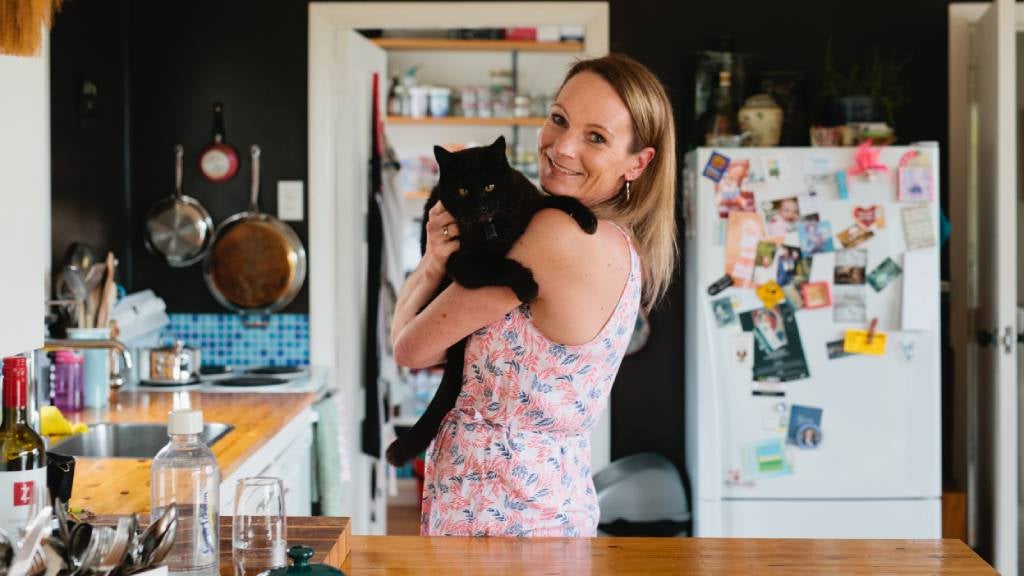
513	456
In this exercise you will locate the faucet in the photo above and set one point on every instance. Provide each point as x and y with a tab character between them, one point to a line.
116	380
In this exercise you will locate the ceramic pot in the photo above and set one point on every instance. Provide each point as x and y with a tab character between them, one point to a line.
761	120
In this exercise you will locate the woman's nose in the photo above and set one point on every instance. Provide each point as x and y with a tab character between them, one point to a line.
565	144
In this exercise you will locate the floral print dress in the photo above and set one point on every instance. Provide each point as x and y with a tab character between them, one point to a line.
513	457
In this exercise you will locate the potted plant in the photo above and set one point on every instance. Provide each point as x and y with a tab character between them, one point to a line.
866	93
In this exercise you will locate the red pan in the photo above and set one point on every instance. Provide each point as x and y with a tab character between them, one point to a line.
218	162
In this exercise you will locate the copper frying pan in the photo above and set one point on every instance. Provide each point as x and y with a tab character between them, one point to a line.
257	263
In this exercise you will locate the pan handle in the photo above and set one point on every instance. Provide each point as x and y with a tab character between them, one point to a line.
254	196
179	158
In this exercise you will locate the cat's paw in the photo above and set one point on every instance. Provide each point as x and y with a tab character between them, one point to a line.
586	219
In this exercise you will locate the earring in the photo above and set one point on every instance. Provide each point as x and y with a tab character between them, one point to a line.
627	190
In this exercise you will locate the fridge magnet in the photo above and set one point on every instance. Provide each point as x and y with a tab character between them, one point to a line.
854	235
865	161
788	258
816	295
723	310
841	187
835	349
765	459
858	342
849	304
772	168
850	265
765	266
915	178
819	166
778	353
719	285
715	168
792	294
815	236
781	216
733	477
729	193
869	216
744	232
755	173
770	294
917	226
743	347
801	419
883	274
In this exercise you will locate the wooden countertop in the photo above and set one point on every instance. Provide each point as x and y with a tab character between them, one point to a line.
675	556
121	485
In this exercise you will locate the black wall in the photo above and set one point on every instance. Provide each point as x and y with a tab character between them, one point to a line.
252	56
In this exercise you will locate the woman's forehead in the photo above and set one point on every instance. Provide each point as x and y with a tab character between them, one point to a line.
590	99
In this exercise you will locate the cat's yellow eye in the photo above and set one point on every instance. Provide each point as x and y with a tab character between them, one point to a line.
463	192
489	187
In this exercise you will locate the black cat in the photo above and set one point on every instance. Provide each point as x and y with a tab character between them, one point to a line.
492	205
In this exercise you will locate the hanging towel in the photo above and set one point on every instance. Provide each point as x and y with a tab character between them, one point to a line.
331	453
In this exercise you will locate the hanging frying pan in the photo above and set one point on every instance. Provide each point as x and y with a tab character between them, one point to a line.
257	263
218	162
178	228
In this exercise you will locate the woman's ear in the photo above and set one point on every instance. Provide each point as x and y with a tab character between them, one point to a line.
640	161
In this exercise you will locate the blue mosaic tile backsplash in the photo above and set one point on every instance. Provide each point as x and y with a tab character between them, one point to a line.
223	340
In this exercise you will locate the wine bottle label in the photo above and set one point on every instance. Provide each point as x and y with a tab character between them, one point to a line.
19	492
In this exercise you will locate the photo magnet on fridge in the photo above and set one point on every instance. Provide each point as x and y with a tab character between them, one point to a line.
780	216
835	349
745	231
870	216
854	235
917	226
765	459
789	258
816	295
815	236
765	264
778	354
723	311
849	304
730	195
804	426
915	184
715	168
883	274
850	265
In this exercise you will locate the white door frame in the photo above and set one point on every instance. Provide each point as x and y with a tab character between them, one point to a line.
337	318
965	290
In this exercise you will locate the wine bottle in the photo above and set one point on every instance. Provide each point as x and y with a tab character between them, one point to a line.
722	125
22	452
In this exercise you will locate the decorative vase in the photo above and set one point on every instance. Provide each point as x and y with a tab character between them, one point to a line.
761	120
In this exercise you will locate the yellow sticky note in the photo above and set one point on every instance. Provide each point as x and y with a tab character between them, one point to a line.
770	293
856	342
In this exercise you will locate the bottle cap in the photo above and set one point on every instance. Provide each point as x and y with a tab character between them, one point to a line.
15	382
184	422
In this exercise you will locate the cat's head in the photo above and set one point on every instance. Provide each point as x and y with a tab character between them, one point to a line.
476	183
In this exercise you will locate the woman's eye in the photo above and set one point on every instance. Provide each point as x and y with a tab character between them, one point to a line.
558	119
489	188
596	138
463	192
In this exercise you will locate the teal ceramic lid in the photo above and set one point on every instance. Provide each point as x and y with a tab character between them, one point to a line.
301	555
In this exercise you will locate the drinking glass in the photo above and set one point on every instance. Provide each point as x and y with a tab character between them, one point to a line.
259	530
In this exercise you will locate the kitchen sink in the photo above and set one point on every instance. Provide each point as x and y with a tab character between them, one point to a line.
129	440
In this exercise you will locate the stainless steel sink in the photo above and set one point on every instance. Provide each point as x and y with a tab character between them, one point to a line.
129	440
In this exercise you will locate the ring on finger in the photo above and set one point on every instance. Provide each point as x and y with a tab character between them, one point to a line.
444	231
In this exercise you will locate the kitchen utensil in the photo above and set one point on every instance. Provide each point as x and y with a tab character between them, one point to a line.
257	263
218	162
36	530
175	364
163	536
179	228
80	255
106	299
259	530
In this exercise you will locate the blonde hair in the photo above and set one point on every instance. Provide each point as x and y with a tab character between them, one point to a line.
649	212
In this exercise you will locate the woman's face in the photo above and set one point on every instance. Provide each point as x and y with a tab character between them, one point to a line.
584	146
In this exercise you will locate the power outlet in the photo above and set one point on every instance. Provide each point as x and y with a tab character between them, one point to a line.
289	200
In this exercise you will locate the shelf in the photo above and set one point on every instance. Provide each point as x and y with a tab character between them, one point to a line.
475	45
464	121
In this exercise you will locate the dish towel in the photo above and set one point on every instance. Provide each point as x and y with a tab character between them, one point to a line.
330	455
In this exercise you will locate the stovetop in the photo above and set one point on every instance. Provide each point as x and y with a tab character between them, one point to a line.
218	379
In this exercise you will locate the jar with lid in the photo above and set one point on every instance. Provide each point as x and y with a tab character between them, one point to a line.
522	106
440	101
66	390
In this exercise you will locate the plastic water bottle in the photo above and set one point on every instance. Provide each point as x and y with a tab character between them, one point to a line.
185	474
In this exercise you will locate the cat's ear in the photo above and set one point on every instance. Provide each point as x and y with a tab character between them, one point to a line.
443	157
498	146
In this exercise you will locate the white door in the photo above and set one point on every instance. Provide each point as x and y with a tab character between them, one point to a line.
338	227
994	102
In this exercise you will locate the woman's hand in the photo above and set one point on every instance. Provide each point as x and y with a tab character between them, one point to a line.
442	241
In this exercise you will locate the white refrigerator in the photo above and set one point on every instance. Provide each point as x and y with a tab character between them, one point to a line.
813	404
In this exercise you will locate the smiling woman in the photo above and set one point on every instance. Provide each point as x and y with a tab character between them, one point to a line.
513	456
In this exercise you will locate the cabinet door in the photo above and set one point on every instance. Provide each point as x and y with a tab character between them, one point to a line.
24	197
